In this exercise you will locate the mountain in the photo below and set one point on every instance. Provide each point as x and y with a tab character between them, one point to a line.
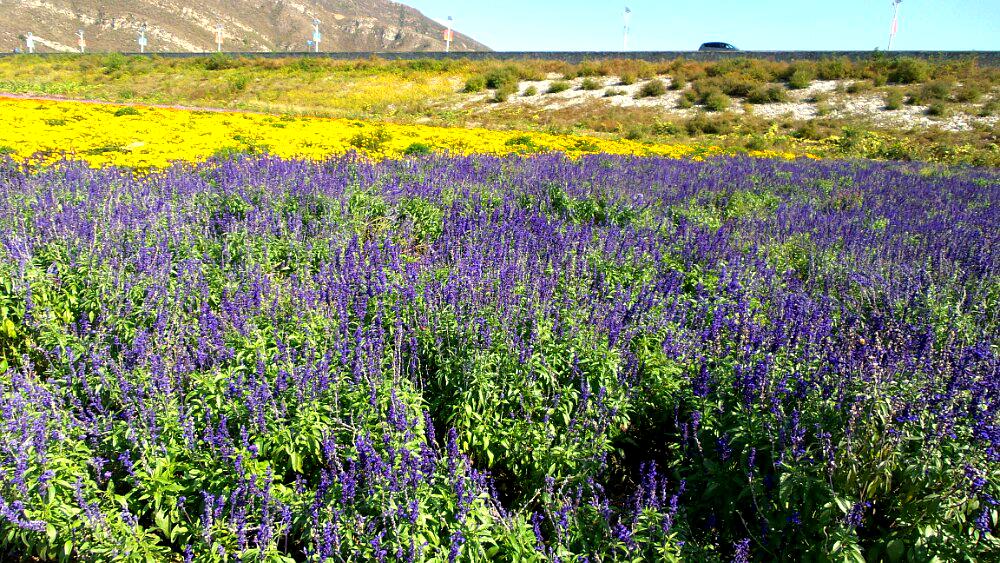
248	25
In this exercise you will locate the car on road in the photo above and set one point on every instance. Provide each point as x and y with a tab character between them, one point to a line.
717	46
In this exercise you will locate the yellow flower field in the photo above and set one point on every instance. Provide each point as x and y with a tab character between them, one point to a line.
148	137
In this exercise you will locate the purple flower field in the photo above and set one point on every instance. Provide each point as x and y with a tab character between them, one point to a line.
509	359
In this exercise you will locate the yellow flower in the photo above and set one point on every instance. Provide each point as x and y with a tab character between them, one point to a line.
147	137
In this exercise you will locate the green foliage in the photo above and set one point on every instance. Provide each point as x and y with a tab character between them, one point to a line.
799	79
969	93
834	68
938	109
774	93
530	91
524	142
909	71
937	90
715	100
418	149
652	89
126	110
858	86
591	84
238	82
504	92
558	86
371	141
115	62
219	61
894	99
475	84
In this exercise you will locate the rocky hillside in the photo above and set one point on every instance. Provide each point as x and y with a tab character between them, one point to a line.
248	25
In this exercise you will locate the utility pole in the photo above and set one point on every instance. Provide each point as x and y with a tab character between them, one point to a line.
317	36
895	22
218	38
628	19
81	42
449	35
142	39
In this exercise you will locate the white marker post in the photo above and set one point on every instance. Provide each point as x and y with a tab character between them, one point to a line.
628	19
449	35
81	42
142	39
29	41
895	22
218	38
317	36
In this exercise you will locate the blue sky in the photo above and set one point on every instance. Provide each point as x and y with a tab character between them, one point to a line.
585	25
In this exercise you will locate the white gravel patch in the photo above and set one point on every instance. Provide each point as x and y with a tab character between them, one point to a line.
870	105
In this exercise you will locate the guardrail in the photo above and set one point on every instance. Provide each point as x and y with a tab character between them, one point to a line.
988	58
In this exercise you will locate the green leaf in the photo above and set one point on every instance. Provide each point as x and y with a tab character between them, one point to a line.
895	550
68	548
51	532
162	522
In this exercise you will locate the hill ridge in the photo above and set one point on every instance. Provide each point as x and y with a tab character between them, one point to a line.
248	25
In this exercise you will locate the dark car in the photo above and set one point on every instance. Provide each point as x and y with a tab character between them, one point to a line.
716	46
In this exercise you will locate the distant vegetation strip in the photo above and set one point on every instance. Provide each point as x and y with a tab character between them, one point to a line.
735	103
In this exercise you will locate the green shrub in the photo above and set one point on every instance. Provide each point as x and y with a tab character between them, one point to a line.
685	103
612	92
475	84
652	89
627	79
238	82
500	77
834	69
524	142
717	101
858	86
114	62
558	86
591	84
894	99
504	92
127	110
969	93
530	91
819	97
939	90
909	71
678	80
768	94
372	141
937	109
710	125
800	79
219	61
990	108
417	149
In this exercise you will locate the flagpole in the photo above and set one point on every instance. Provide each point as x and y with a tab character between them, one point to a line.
895	22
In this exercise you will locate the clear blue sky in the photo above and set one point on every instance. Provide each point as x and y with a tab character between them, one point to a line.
662	25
